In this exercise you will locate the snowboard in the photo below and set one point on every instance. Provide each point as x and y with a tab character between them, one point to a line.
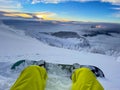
55	68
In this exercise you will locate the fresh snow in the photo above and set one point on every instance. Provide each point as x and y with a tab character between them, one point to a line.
15	45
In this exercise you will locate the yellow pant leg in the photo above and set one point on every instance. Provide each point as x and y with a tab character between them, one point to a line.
31	78
84	79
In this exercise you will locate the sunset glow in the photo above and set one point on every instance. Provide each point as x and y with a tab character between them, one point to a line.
19	15
64	10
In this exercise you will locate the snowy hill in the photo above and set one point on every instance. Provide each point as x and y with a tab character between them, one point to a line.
69	43
103	38
16	44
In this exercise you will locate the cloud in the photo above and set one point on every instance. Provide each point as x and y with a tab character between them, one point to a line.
58	1
118	8
46	1
23	15
37	15
45	15
116	2
117	14
10	5
113	2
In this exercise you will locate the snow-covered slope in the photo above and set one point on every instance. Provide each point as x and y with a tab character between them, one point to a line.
69	43
102	38
15	45
15	42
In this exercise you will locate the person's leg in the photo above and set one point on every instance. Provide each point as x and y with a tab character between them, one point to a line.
84	79
31	78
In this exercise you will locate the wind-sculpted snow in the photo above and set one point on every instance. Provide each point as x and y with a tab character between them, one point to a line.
69	43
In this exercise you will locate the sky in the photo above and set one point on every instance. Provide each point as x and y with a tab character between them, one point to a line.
65	10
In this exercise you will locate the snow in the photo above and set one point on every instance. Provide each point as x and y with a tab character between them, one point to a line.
16	45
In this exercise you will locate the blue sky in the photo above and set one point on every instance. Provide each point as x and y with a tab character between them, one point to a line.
75	10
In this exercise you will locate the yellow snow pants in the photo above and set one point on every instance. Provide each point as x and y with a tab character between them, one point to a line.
84	79
31	78
34	78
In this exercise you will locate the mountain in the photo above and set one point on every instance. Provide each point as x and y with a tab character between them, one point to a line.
18	43
103	40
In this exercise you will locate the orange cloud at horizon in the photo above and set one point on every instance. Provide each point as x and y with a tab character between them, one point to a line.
45	15
50	16
24	15
38	15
